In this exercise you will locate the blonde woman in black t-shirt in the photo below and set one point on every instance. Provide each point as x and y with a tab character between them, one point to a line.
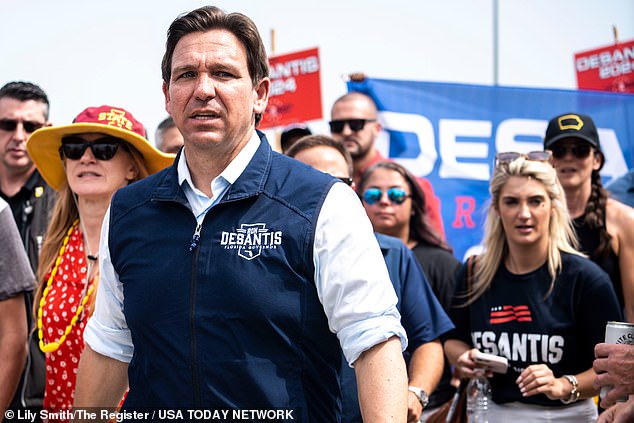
533	298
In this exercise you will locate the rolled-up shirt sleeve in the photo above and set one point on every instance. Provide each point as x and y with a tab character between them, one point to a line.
351	277
107	331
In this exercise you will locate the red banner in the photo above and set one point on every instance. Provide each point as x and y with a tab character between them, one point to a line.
609	68
295	89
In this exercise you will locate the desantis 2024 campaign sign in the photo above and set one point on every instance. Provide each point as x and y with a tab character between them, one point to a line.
450	133
295	89
609	68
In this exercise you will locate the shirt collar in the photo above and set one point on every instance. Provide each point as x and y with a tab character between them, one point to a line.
231	172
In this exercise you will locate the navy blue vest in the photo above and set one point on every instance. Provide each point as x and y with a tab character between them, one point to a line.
236	323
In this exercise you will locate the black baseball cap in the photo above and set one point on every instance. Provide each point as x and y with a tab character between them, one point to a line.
292	133
572	125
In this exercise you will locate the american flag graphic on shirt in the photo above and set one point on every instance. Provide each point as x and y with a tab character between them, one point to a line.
509	313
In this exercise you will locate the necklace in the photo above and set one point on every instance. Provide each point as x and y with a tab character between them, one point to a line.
53	346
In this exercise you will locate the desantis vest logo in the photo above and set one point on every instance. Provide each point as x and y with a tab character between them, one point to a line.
250	239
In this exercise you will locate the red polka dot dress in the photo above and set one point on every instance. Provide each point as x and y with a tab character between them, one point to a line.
60	306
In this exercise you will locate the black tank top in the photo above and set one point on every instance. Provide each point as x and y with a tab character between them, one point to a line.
609	262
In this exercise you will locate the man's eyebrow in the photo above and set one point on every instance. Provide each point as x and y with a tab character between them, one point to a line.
183	67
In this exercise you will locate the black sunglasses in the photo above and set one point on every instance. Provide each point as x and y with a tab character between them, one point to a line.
395	195
509	156
336	126
73	147
11	124
580	151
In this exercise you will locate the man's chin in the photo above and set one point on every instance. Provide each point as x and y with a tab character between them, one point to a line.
355	153
205	137
23	164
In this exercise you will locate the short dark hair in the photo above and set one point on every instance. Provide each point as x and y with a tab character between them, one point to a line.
312	141
166	123
25	91
208	18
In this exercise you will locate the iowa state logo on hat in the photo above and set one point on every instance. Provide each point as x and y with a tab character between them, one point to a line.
111	116
570	122
116	117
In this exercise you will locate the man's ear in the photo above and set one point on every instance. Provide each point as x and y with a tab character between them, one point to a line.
377	127
261	95
166	94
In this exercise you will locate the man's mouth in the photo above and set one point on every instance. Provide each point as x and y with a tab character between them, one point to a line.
205	115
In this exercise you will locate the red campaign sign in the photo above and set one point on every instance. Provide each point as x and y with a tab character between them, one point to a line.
609	68
295	89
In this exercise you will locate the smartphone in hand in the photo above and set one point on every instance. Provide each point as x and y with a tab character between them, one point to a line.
494	362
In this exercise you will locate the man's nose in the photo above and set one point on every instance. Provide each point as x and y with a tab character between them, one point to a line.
205	88
347	130
20	134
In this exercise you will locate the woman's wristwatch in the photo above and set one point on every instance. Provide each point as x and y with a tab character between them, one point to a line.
420	394
574	393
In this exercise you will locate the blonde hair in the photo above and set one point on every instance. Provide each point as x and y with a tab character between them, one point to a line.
561	236
64	213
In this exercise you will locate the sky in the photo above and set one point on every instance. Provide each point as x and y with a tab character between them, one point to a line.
88	53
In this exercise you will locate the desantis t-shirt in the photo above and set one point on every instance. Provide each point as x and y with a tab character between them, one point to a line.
518	319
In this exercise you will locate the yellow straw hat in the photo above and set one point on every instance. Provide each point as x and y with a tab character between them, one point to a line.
43	145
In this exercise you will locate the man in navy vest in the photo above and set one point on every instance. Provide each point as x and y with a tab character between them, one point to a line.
225	278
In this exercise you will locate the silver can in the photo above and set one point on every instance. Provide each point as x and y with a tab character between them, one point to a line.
618	333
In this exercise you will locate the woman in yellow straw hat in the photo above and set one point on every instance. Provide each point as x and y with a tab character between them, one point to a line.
103	150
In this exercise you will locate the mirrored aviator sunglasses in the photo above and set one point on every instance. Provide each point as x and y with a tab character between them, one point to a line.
73	147
536	156
395	195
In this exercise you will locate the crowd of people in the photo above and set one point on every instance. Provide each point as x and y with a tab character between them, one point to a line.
212	272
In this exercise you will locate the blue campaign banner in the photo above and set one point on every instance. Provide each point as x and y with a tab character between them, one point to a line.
450	133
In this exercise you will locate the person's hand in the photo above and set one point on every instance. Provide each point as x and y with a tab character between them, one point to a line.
466	366
614	366
622	412
539	379
414	408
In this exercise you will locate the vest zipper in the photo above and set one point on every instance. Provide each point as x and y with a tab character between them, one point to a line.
192	315
196	237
